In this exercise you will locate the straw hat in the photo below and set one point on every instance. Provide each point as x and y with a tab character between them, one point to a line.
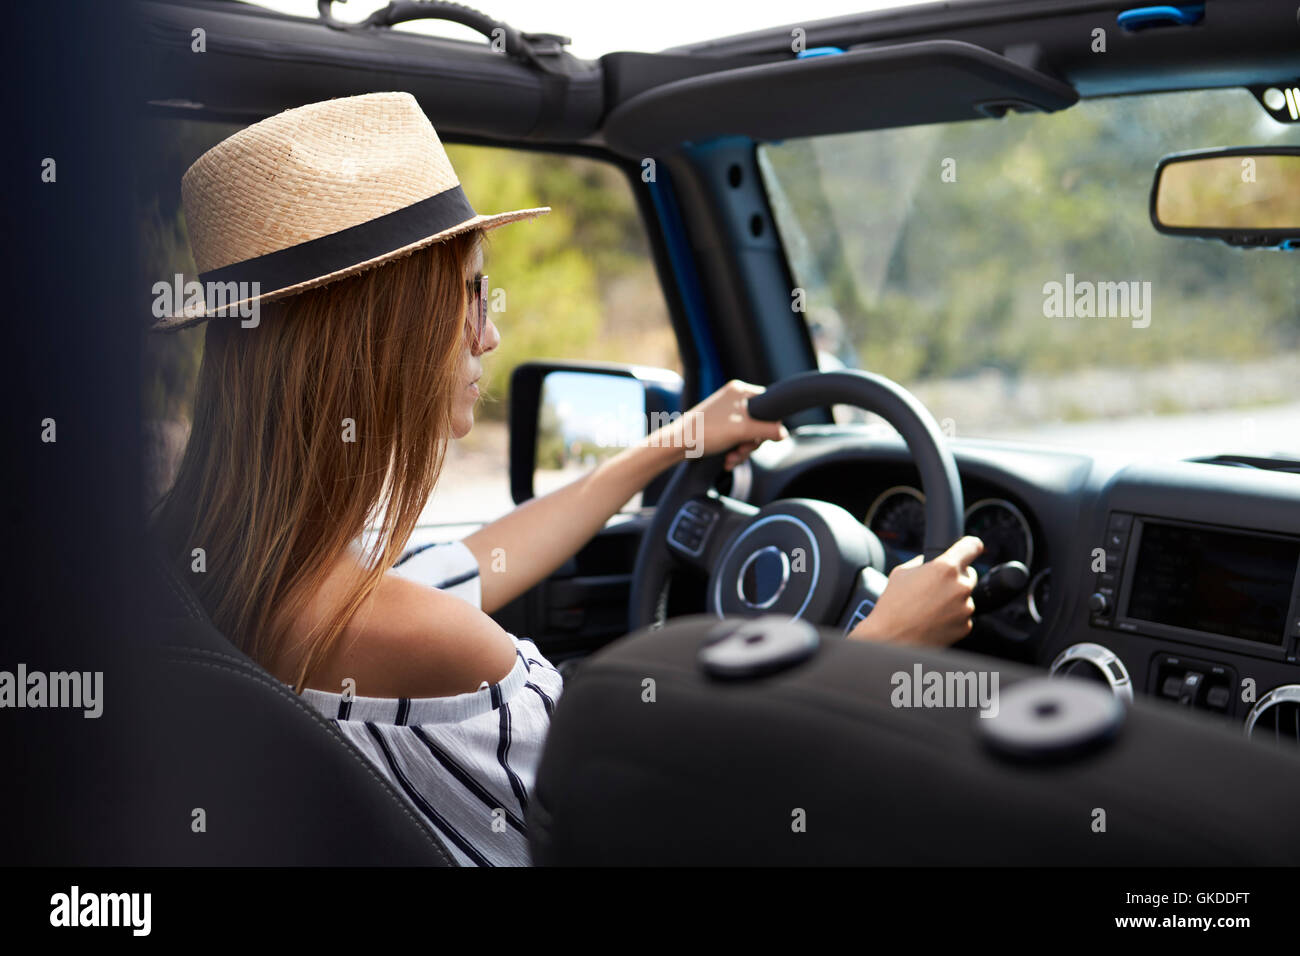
316	194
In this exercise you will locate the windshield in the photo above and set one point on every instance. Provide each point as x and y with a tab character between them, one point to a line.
967	260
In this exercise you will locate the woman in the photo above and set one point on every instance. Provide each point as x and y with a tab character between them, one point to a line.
339	233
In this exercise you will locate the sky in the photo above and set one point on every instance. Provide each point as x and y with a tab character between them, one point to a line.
601	26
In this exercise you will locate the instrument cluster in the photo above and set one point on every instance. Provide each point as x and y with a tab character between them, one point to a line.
897	517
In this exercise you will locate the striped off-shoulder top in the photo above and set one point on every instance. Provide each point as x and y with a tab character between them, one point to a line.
466	763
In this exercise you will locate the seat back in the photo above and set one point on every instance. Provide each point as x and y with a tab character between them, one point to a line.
653	760
273	782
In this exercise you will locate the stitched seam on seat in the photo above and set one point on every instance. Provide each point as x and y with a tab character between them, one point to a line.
245	670
174	586
181	592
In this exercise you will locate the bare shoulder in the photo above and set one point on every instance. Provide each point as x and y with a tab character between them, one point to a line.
411	640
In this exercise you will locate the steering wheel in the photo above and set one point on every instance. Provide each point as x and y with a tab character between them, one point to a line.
798	556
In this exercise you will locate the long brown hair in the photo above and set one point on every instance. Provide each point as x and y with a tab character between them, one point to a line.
271	488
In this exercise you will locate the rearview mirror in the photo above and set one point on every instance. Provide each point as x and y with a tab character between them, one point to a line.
567	417
1242	196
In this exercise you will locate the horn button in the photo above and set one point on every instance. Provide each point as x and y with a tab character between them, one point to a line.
763	577
796	556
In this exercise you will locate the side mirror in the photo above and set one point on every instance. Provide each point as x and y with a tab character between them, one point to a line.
1242	196
566	417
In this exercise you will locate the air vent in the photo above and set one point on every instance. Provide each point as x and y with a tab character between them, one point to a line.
1276	718
1094	662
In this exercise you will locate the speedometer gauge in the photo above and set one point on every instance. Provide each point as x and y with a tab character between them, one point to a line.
897	517
1005	533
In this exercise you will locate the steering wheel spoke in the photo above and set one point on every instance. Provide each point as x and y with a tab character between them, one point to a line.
703	525
863	598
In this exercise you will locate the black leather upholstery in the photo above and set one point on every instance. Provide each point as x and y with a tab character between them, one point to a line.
277	783
714	772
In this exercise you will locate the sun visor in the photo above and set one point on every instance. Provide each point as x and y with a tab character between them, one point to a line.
934	81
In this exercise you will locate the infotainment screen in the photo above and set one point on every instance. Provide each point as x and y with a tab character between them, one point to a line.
1218	582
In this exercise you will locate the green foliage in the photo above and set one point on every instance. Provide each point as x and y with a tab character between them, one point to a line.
550	439
539	265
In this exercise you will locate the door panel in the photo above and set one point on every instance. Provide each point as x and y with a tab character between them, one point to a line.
584	604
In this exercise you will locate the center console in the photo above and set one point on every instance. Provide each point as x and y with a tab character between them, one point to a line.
1191	592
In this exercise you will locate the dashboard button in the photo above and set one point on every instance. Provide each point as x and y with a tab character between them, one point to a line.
690	527
1121	522
1098	603
1190	689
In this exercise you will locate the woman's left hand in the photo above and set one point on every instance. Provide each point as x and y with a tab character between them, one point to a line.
722	422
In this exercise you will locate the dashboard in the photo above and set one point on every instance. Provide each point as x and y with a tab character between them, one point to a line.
1178	580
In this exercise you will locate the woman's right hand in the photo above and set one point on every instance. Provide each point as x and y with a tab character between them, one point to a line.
926	603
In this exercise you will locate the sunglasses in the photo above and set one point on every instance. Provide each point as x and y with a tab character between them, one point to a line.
476	314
